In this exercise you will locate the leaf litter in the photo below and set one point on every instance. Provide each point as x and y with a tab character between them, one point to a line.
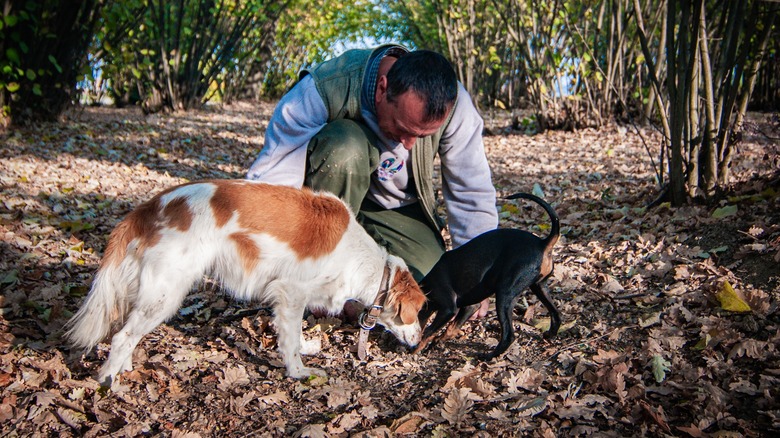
670	315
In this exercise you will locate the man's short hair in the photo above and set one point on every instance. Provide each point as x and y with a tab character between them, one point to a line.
428	74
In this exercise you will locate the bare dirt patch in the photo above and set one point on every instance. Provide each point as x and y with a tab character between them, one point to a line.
647	347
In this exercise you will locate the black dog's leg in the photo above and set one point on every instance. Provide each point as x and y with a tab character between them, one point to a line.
443	315
505	302
464	313
555	316
425	314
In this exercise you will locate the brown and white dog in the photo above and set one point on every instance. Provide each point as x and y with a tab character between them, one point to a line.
289	248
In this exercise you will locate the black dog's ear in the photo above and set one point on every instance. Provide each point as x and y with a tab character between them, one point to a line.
406	296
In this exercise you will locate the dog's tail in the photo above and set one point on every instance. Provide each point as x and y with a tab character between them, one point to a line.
555	226
113	290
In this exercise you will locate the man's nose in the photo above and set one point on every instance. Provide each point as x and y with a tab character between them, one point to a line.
408	142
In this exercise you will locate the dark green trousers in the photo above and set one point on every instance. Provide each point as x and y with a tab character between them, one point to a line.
341	158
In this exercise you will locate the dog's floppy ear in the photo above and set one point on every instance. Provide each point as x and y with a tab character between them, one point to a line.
406	296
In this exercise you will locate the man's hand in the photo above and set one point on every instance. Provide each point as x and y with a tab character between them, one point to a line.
482	311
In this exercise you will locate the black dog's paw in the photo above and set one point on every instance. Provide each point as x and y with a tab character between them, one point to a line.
486	357
550	335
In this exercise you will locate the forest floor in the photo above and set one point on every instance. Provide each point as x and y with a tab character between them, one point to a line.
654	342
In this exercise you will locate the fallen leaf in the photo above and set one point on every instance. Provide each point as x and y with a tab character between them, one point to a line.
720	213
659	366
530	408
730	300
457	405
231	377
277	398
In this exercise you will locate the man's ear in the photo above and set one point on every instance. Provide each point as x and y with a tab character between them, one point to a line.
381	88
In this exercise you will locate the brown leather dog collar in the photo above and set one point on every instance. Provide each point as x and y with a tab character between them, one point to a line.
369	316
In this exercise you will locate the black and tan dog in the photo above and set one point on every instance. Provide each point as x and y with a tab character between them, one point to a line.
503	262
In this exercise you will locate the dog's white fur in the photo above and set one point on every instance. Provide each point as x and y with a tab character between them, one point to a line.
289	248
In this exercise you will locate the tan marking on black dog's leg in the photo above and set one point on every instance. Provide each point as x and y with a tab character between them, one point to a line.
555	316
464	314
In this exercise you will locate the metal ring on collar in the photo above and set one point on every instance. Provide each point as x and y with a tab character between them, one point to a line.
362	321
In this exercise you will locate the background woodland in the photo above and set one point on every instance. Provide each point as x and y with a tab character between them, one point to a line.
651	126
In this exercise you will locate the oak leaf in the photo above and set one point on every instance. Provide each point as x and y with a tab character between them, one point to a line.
457	405
233	377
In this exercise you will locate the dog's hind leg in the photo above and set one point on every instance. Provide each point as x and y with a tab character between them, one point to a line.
507	295
159	296
555	316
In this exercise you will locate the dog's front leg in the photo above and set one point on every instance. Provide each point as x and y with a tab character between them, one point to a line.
287	319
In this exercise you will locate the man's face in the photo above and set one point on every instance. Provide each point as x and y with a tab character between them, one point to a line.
402	119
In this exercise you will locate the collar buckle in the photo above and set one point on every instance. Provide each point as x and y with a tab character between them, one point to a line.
369	316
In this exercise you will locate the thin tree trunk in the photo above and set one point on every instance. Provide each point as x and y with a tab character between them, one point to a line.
709	156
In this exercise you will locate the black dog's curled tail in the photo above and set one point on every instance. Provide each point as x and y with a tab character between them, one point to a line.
555	226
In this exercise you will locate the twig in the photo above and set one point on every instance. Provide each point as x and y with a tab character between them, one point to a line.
574	344
748	234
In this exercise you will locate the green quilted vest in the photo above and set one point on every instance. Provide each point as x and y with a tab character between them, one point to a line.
339	82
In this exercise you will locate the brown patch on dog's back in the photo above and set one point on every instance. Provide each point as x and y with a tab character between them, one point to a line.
311	224
145	222
406	296
178	214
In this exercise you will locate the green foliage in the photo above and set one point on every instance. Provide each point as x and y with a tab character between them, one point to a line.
175	55
311	31
42	47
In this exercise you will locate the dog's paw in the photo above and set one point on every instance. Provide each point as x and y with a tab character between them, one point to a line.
105	381
486	357
306	372
422	345
311	346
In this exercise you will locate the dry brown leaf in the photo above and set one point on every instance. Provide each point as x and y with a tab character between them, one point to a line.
692	430
480	388
344	423
233	376
7	408
528	379
607	357
456	376
339	392
457	405
410	426
312	431
751	348
277	398
72	418
657	415
239	404
176	433
499	414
